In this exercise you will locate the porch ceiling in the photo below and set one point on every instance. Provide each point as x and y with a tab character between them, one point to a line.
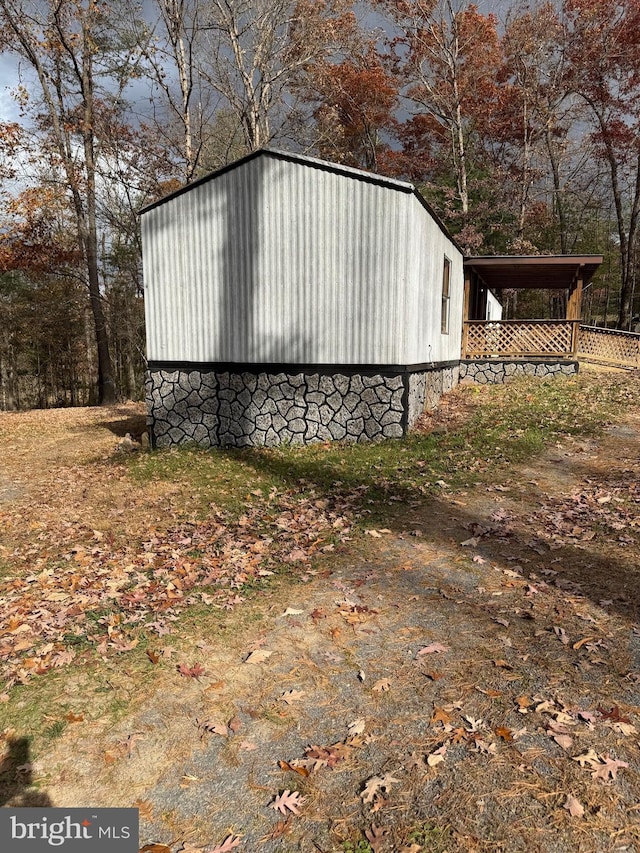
557	272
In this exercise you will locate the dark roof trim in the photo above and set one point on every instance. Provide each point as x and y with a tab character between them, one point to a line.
315	163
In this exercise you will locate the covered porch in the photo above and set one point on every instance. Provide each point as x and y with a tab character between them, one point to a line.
489	337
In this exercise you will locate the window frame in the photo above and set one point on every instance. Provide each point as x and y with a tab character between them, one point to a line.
446	297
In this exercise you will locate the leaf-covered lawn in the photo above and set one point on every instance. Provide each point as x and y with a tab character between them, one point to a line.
420	645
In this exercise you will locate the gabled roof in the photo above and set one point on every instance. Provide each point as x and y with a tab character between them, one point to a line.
555	272
315	163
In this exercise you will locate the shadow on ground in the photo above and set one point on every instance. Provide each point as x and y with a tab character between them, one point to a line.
606	568
16	777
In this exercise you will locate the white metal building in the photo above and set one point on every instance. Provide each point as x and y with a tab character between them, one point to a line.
291	299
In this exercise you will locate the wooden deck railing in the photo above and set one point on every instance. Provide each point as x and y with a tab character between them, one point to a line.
519	338
609	346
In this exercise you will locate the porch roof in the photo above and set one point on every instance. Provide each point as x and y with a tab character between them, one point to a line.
557	272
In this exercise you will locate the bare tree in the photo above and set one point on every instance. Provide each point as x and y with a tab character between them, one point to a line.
256	49
69	46
171	45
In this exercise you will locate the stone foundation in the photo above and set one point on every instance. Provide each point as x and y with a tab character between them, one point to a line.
214	408
493	371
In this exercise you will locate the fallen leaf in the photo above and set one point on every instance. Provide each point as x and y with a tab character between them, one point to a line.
235	724
293	768
230	843
581	643
155	848
214	727
608	769
145	809
357	727
375	784
440	716
287	801
291	611
573	806
433	648
291	696
590	757
565	741
504	733
613	714
194	671
436	757
434	676
74	718
382	685
259	656
524	703
474	725
154	657
625	729
375	837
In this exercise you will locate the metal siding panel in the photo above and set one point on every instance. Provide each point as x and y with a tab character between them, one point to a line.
281	262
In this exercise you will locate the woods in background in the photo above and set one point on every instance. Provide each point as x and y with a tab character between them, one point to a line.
523	132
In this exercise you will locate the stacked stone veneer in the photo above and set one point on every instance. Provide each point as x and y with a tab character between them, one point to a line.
426	387
224	409
256	409
489	371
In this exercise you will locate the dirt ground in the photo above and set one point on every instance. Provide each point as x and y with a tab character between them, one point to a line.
466	679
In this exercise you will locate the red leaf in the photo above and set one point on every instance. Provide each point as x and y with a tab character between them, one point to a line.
194	671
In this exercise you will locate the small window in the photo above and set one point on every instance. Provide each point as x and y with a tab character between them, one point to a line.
446	296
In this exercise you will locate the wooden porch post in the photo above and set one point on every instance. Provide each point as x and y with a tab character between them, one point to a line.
574	308
465	311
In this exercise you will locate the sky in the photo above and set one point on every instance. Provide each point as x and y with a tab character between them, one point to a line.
9	80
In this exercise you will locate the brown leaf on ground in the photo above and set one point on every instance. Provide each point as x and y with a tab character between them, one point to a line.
287	801
291	696
573	806
235	724
590	757
375	836
70	717
155	848
292	768
437	757
504	733
377	784
440	716
213	727
614	714
608	769
259	656
432	648
523	703
196	671
145	809
230	843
